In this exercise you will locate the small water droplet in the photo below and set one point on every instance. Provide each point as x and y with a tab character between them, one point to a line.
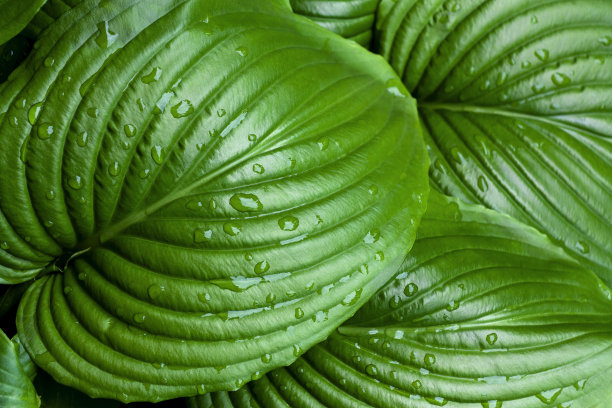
158	153
288	223
417	384
483	185
155	291
525	64
232	228
491	338
49	61
395	302
258	168
429	359
501	78
130	130
456	155
560	79
67	290
542	54
580	385
204	297
144	173
152	76
583	247
266	358
261	267
271	297
605	40
297	350
50	195
202	235
323	143
106	37
372	236
114	169
245	202
33	112
4	245
242	51
93	112
141	104
139	317
182	109
81	139
485	85
534	20
299	313
371	370
411	289
379	256
548	397
45	130
75	182
537	88
221	113
373	190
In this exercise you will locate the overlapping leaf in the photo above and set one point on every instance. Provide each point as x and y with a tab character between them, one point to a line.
206	210
484	312
16	374
352	19
15	16
516	102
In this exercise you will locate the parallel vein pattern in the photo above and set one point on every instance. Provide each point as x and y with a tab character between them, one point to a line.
484	312
515	98
213	211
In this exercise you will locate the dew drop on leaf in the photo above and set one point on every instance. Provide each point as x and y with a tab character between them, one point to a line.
158	153
221	113
373	190
114	169
299	313
429	359
411	289
371	370
106	37
583	247
261	267
139	317
45	131
81	139
50	195
491	338
323	143
33	112
155	291
417	384
605	40
130	130
245	202
372	236
560	79
75	182
242	51
542	54
288	223
49	61
550	396
202	235
483	185
266	358
231	228
204	297
394	302
152	76
258	168
252	137
297	350
182	109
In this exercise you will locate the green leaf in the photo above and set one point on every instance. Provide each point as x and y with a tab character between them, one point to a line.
217	188
516	100
484	312
54	395
16	389
15	15
352	19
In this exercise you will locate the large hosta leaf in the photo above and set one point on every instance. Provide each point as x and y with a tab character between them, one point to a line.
16	373
208	187
484	312
15	16
516	101
352	19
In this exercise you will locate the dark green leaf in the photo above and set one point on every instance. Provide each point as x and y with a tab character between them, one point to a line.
219	188
16	389
15	15
484	312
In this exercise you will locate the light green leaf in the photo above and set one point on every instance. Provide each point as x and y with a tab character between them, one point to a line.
16	389
484	312
218	189
15	15
352	19
516	103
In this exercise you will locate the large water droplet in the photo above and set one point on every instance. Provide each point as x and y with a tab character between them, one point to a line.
45	130
245	202
261	267
75	182
182	109
155	291
429	359
560	79
158	153
202	235
114	169
542	54
152	76
483	185
232	228
371	370
411	289
288	223
323	143
139	317
33	112
130	130
106	37
266	358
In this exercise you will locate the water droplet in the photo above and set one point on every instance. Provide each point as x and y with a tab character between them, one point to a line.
262	267
258	168
252	137
266	358
583	247
34	112
114	169
242	51
525	64
373	190
485	85
323	143
501	78
371	370
483	185
204	297
299	313
438	401
81	139
67	290
201	235
456	155
319	317
152	76
155	291
395	302
50	195
49	61
93	112
492	404
580	385
45	130
372	236
534	20
256	375
182	109
4	245
144	173
139	317
396	87
379	256
288	223
106	38
75	182
411	289
542	54
130	130
271	297
537	88
212	204
548	397
231	228
560	79
605	40
429	359
417	384
141	104
245	202
352	297
297	350
221	113
158	153
491	338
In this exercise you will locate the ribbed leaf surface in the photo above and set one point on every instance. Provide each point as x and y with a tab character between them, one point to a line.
516	101
212	209
484	312
352	19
